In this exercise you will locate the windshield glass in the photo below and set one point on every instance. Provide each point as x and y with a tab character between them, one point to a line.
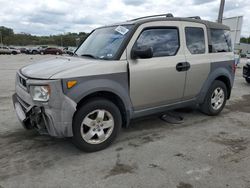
104	43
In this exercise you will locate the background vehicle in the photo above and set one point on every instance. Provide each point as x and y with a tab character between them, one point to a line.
4	50
14	51
125	71
55	51
246	71
248	55
69	50
37	50
24	50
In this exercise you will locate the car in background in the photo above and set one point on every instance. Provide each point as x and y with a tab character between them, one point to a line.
4	50
24	50
14	50
55	51
246	71
37	50
9	50
69	50
248	55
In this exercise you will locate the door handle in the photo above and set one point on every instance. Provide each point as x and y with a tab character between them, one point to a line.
183	66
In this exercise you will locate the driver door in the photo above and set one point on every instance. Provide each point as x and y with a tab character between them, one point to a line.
155	81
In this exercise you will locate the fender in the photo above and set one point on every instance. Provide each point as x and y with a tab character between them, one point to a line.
217	69
115	83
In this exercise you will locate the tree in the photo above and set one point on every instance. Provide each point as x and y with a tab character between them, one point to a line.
23	39
245	40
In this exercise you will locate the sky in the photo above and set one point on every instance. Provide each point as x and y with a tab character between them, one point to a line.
49	17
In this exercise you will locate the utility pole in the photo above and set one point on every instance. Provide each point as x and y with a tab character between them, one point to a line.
61	41
221	10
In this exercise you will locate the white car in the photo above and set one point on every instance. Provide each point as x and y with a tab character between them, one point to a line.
14	51
4	50
248	55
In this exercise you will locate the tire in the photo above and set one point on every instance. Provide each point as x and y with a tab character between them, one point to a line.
98	132
42	53
211	108
14	53
57	53
34	52
248	80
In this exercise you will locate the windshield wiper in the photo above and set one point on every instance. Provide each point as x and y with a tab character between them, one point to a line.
89	55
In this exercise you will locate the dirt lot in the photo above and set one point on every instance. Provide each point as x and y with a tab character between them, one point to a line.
203	152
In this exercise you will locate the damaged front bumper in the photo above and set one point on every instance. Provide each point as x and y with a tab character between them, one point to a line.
53	117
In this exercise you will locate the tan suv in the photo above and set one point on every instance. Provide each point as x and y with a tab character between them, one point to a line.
124	71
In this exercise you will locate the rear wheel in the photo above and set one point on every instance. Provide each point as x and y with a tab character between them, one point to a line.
96	125
248	80
215	99
57	53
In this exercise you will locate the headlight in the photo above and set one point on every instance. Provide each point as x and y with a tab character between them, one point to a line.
40	93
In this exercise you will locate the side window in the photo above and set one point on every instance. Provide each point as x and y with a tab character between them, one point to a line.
221	41
164	41
195	40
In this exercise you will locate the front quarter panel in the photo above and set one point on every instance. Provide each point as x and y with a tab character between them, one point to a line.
116	83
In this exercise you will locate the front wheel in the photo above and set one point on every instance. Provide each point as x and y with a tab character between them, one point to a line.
248	80
96	125
215	99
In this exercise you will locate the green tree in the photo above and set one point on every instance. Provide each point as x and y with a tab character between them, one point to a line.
23	39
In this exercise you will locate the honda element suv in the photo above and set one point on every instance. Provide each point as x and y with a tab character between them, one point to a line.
124	71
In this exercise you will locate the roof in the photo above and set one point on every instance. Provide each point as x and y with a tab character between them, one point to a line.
209	24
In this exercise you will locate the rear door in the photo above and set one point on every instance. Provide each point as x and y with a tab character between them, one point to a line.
197	56
156	81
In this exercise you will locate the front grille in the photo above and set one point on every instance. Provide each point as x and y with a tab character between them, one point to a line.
24	104
22	81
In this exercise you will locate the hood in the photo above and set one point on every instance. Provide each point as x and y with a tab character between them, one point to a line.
68	67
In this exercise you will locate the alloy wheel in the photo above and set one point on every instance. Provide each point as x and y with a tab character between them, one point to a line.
97	126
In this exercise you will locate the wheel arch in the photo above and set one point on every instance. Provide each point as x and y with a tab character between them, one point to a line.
226	81
111	96
221	74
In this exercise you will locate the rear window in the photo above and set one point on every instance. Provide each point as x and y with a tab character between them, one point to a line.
220	41
195	40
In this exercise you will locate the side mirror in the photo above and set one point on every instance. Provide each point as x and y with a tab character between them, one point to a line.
145	53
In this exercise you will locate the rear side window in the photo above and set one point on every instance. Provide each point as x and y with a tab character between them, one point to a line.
195	40
221	41
164	41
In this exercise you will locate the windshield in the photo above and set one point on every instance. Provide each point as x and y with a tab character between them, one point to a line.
104	43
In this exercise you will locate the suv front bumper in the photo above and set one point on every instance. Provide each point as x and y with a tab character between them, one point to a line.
53	117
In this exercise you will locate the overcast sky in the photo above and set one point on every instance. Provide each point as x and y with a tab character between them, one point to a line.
48	17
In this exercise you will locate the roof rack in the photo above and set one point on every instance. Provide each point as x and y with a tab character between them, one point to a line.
195	17
158	15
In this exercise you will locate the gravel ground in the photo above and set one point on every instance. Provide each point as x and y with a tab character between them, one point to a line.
202	152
